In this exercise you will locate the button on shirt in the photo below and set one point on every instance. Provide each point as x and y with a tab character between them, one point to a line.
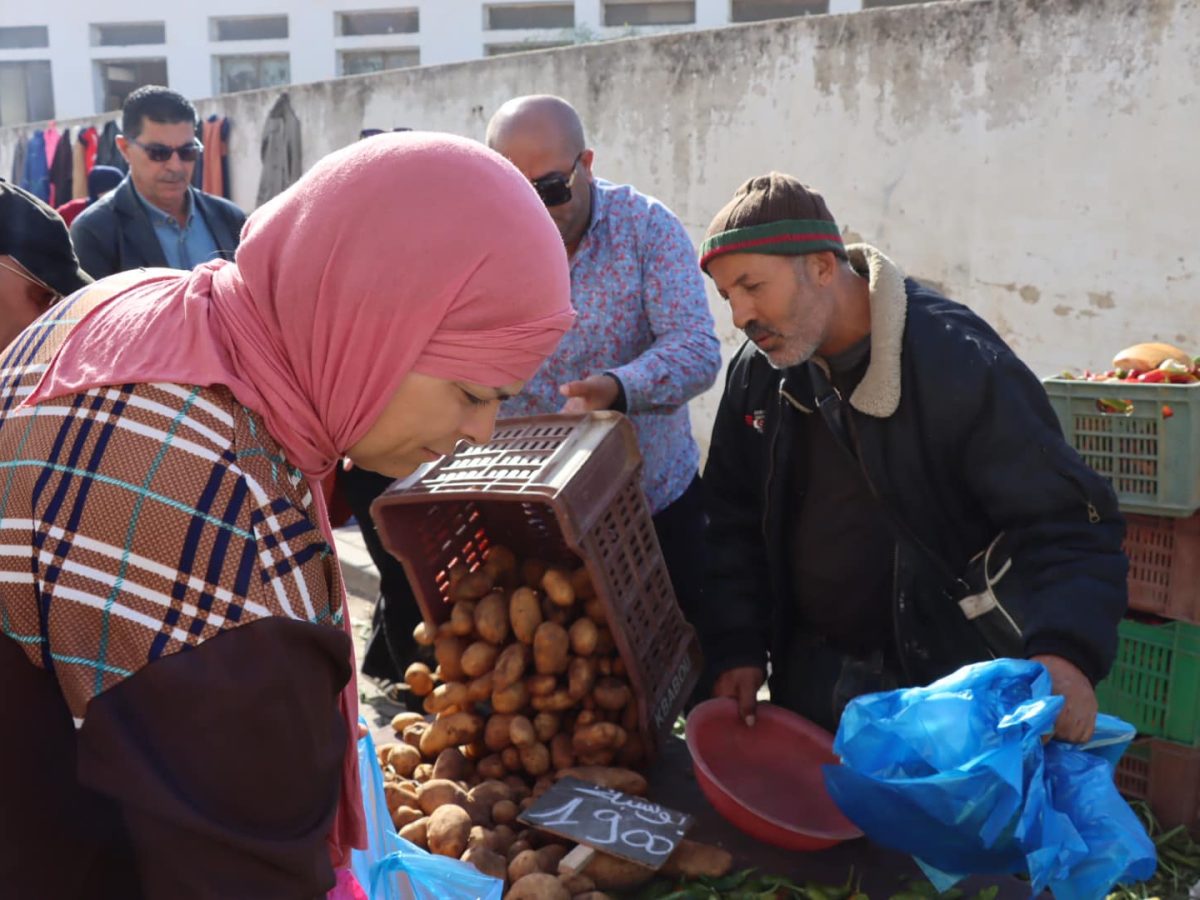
642	314
184	247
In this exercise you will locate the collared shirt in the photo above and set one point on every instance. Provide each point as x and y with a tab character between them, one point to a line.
184	247
643	316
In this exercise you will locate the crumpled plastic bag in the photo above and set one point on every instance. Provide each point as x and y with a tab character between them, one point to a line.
392	868
957	774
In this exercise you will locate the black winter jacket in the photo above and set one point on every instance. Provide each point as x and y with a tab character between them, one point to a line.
957	436
114	234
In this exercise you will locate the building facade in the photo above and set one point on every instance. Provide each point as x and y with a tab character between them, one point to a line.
67	58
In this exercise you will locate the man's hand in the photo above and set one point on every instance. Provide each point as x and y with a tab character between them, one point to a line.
1077	720
596	392
742	685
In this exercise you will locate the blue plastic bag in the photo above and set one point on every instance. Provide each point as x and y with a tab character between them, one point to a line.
957	775
392	868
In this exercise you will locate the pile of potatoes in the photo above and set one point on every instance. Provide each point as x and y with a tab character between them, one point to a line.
528	688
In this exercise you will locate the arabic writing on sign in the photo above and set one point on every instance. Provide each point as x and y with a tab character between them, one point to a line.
623	825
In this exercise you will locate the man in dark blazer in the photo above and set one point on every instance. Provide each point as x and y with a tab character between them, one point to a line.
155	217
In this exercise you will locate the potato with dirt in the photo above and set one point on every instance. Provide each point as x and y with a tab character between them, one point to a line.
478	659
448	829
448	651
510	666
524	863
462	618
416	832
535	759
487	861
525	614
612	693
584	633
557	585
611	873
551	649
436	793
447	698
521	732
511	699
474	586
546	725
598	737
419	679
423	634
404	759
450	764
695	860
491	618
614	778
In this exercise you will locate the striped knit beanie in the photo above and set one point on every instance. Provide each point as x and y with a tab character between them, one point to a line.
772	213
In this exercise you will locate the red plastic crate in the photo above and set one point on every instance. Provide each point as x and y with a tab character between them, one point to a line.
1164	565
1167	776
558	489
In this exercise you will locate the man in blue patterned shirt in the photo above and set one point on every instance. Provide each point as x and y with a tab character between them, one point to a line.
643	343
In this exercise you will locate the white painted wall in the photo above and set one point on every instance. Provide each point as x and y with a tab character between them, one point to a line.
450	31
1034	158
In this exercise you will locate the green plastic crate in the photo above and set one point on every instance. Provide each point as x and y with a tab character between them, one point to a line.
1152	460
1155	681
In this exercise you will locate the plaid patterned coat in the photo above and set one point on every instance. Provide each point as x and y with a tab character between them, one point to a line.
139	522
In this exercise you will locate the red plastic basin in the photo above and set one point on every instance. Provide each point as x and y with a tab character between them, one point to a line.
766	779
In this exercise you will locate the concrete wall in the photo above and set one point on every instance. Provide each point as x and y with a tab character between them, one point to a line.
1034	158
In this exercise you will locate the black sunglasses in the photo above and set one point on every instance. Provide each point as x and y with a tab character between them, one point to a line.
555	187
161	152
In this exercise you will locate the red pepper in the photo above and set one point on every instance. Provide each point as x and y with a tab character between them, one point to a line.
1154	376
1181	378
1167	412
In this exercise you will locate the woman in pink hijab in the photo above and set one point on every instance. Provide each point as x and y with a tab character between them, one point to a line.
179	699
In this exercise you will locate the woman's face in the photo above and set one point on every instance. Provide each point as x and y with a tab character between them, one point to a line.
425	420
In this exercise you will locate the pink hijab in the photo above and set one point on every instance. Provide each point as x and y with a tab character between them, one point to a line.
402	253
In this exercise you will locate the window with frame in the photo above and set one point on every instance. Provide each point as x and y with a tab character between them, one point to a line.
377	21
128	34
512	16
24	37
649	12
249	73
248	28
760	10
363	62
26	91
116	79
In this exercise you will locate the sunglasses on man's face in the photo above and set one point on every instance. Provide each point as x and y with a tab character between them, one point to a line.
161	152
555	188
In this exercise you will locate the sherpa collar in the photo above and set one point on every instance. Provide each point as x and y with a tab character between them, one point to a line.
878	394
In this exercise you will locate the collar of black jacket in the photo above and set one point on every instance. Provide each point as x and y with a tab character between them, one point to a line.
878	393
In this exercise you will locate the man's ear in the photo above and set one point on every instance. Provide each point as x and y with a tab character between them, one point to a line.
123	146
821	267
586	159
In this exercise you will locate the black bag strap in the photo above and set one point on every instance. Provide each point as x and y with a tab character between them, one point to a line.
832	410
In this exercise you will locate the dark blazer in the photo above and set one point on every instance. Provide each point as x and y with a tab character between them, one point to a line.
114	234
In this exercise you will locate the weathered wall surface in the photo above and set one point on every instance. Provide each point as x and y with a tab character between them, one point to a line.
1034	158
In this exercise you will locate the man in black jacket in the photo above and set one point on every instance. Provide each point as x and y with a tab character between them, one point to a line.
155	217
874	436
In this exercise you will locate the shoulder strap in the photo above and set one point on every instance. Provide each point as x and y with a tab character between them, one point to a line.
832	410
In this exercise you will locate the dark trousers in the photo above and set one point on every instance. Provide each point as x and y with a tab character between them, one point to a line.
391	647
680	530
817	680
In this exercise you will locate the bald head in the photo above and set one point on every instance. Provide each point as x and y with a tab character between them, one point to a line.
541	118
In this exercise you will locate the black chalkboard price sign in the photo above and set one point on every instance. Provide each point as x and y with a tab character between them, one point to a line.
620	824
